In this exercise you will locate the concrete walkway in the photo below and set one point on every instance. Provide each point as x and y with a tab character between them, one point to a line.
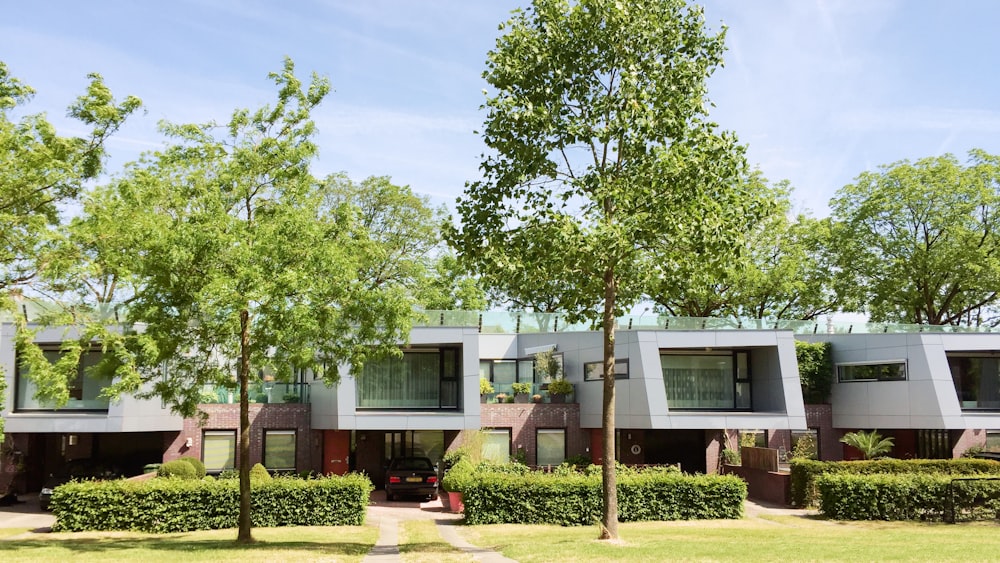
388	514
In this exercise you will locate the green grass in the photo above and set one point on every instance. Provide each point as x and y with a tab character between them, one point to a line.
774	538
420	542
341	543
8	532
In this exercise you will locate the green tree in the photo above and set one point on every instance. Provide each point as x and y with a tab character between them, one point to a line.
919	242
599	146
768	266
450	287
411	254
241	263
870	444
41	170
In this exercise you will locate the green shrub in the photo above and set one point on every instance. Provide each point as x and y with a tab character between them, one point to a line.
575	499
815	370
485	387
199	467
175	505
458	477
521	388
805	471
907	496
259	474
177	468
560	387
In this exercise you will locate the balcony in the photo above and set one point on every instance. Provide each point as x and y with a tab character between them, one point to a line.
266	392
536	389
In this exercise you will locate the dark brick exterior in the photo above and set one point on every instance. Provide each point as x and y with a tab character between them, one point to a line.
308	442
525	419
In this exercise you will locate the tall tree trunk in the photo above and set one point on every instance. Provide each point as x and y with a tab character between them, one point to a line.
244	518
609	519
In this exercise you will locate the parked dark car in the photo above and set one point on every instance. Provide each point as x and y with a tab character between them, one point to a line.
76	470
411	476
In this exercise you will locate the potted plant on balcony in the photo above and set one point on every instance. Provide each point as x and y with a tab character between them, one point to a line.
501	398
521	392
559	389
536	398
485	388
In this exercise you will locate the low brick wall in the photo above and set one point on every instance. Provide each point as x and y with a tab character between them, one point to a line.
764	486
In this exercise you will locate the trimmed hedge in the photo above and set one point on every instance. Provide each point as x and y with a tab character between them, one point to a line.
576	499
907	496
175	505
178	469
805	471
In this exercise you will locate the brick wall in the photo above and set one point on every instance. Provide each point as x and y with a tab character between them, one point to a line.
524	419
820	417
262	417
965	439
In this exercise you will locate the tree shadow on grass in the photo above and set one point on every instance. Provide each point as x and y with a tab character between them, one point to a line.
170	545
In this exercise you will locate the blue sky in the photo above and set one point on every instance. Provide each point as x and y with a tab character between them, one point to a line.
818	90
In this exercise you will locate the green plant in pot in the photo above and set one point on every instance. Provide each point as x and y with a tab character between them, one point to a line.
485	388
559	389
521	392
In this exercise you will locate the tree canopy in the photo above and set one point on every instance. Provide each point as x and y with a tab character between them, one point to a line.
919	242
238	261
41	170
599	147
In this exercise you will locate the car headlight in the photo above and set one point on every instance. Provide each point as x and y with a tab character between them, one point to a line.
46	491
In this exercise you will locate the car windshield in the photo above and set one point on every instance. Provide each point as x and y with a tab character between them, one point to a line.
413	464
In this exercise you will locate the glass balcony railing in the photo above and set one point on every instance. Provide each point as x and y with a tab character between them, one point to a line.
504	393
510	322
266	392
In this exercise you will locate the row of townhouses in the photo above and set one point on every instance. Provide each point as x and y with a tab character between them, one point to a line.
685	388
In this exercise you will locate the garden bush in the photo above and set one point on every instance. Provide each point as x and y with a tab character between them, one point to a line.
175	505
259	474
199	467
908	496
576	499
177	468
804	471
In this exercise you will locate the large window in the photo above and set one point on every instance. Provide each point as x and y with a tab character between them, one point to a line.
84	390
279	449
594	371
707	380
218	450
880	371
977	380
422	379
504	373
496	444
550	446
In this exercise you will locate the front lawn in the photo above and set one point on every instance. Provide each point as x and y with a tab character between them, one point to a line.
340	543
781	538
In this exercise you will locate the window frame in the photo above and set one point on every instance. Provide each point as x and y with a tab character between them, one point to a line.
295	448
510	440
892	362
594	371
442	353
963	403
735	380
205	434
538	432
75	391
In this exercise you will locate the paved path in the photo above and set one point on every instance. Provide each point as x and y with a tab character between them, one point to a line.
388	514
